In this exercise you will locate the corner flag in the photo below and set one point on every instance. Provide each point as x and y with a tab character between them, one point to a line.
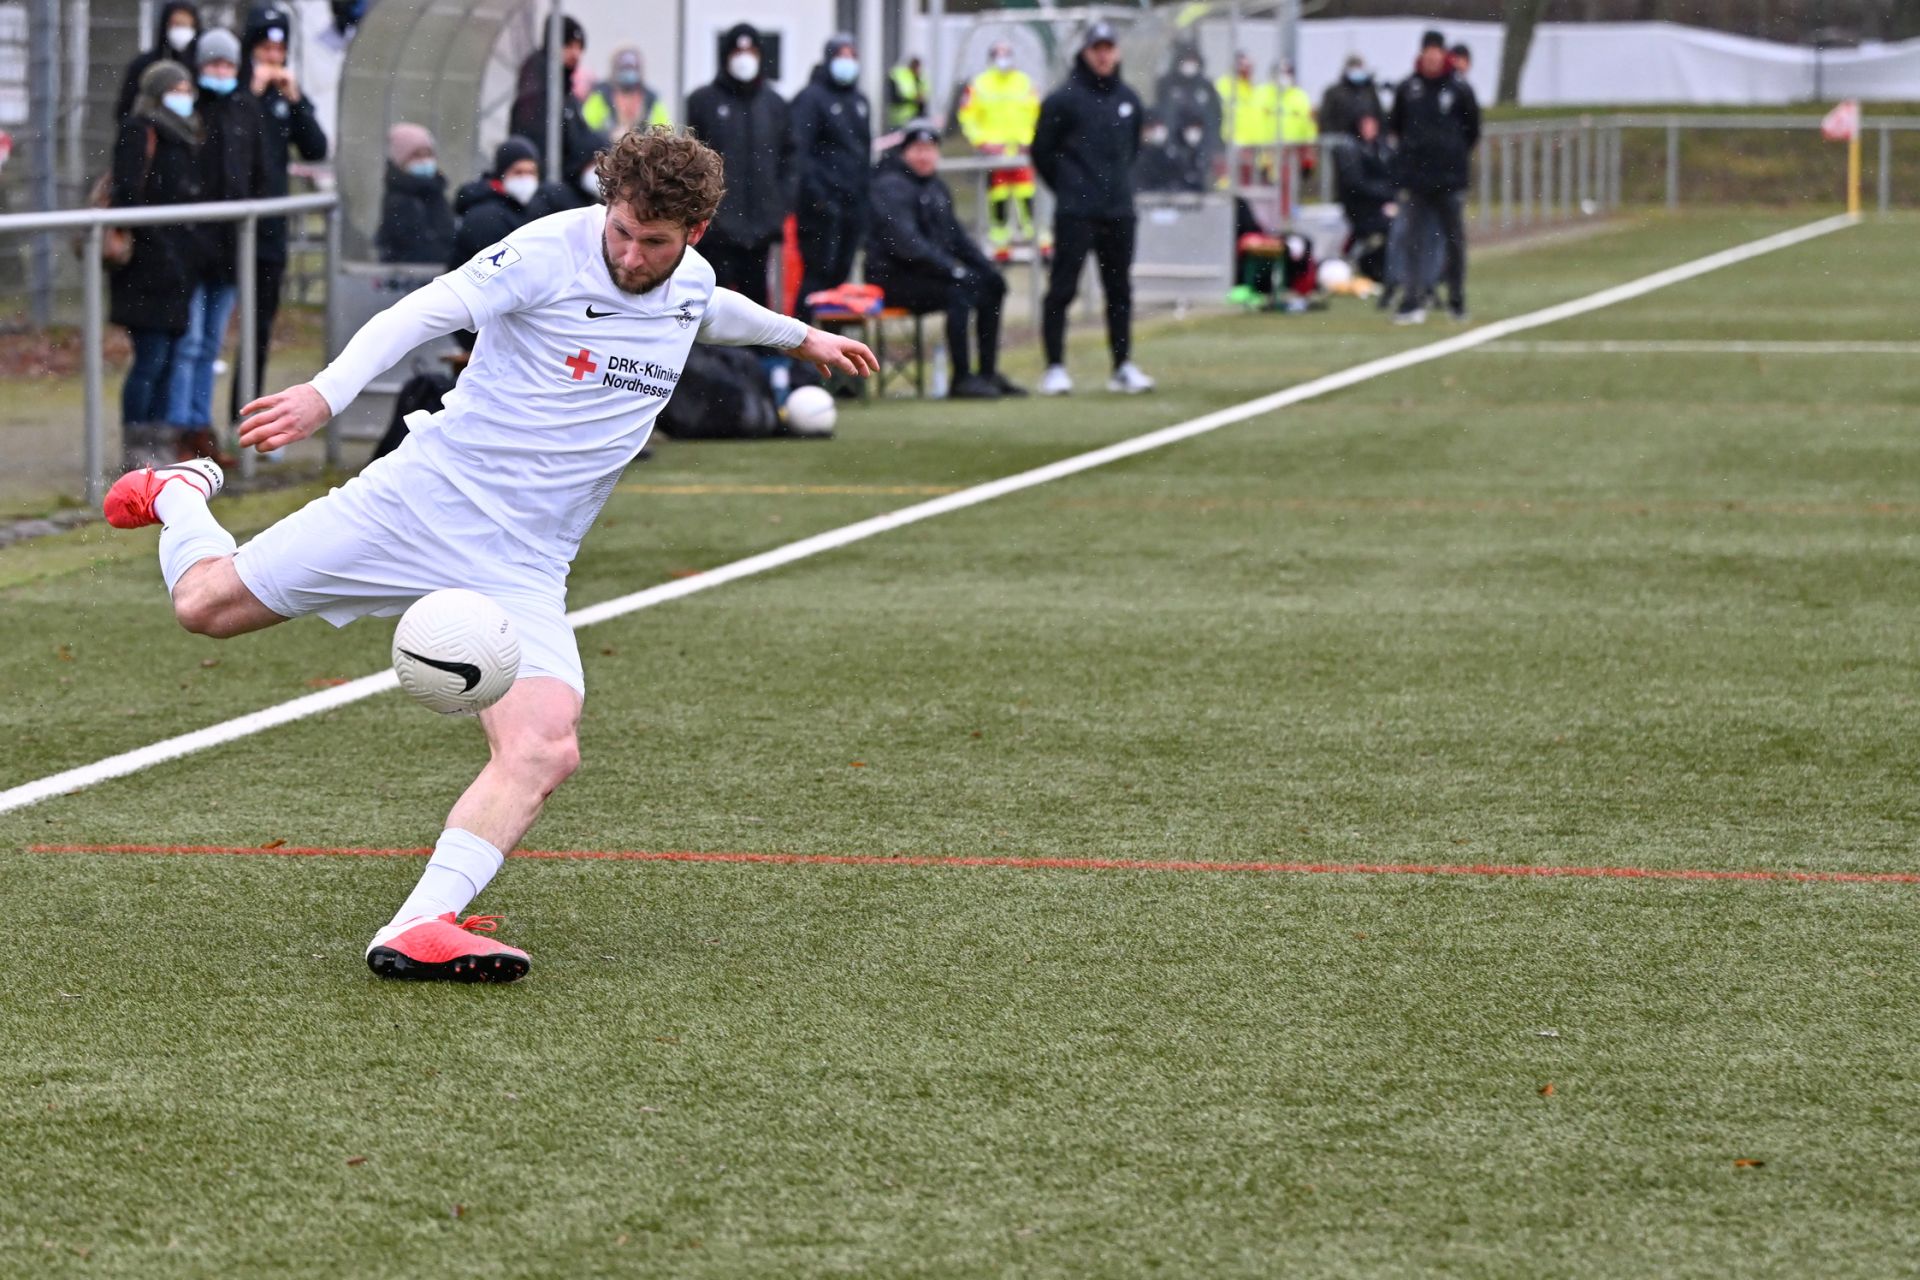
1842	124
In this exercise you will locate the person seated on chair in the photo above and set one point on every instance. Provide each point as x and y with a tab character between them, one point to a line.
924	261
1363	168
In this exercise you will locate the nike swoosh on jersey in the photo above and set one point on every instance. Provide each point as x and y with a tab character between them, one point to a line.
599	315
465	670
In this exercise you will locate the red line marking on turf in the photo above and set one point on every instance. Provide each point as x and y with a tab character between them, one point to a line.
1039	864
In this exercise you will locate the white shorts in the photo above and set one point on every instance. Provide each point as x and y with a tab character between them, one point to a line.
392	534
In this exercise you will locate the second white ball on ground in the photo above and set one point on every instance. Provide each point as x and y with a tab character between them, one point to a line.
811	411
456	652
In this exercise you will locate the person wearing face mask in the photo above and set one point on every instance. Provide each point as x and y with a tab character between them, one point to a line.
416	224
623	101
1185	93
232	167
740	116
288	126
998	114
1348	99
493	207
579	142
1298	131
174	34
156	161
832	162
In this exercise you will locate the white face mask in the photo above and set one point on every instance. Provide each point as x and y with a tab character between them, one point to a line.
1004	62
590	183
180	38
744	66
181	104
521	189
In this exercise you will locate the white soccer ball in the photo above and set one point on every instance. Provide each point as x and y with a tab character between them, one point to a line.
1335	274
811	411
456	652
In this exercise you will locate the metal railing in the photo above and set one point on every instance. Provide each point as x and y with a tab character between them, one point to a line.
93	279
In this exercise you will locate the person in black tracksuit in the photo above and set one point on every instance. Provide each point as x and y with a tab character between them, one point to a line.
740	116
288	125
1436	120
182	16
1084	148
832	165
923	260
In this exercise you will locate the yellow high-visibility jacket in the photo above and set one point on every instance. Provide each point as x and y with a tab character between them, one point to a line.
1297	124
1250	113
1000	109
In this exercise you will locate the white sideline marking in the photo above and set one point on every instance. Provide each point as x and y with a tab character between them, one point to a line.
366	686
1691	347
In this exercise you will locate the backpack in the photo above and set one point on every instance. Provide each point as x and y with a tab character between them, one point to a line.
722	395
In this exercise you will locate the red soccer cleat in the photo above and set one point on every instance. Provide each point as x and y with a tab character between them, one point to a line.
439	948
129	503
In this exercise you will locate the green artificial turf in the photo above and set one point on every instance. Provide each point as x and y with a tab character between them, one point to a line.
1547	609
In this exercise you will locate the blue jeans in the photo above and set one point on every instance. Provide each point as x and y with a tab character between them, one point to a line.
190	394
143	397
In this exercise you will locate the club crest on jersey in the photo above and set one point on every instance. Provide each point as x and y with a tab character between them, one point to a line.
686	317
489	263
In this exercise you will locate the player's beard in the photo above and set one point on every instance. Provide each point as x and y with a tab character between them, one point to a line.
642	282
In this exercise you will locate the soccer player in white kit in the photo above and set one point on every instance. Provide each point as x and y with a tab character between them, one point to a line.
585	320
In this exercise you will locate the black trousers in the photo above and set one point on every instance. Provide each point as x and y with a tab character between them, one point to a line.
981	293
1437	226
268	277
1110	240
741	269
829	239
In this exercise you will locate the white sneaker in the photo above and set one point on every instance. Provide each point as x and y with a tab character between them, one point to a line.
1416	316
1128	380
1056	381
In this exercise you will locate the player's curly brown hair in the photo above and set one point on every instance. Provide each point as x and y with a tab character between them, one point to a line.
663	176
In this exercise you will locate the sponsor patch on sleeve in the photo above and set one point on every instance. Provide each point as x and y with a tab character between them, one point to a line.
489	263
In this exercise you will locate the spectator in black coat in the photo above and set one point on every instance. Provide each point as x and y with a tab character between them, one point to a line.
290	126
923	260
416	223
1436	125
832	164
1368	191
528	119
233	166
174	34
740	116
1348	99
1084	149
155	161
493	207
1184	92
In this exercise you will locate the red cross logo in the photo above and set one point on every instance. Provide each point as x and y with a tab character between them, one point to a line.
582	364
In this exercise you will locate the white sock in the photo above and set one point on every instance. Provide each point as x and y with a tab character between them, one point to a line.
461	865
189	533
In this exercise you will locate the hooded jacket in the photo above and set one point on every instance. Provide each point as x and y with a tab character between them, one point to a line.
1437	122
911	228
832	145
287	127
746	122
151	291
159	51
1086	144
